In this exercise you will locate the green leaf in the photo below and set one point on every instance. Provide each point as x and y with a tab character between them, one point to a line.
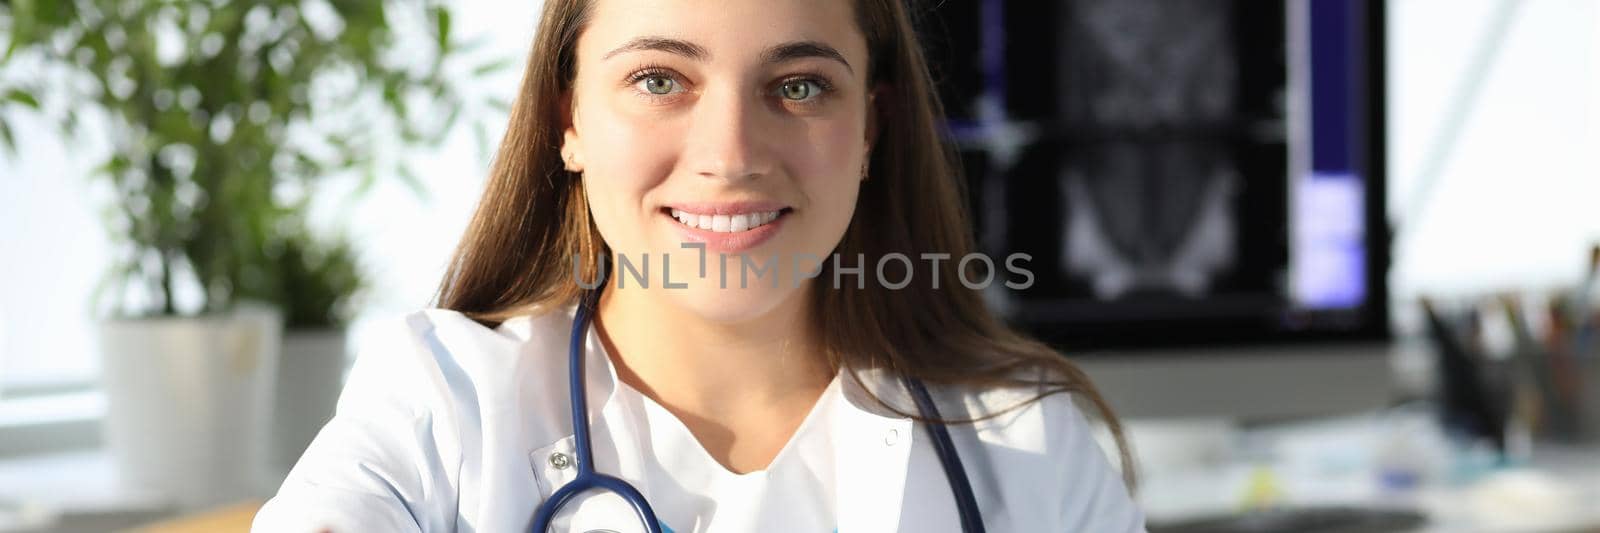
481	134
227	240
393	98
410	135
411	181
449	123
69	124
22	97
498	104
492	66
368	179
441	18
22	22
6	138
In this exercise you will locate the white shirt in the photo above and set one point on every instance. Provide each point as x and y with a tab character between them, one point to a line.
794	493
453	428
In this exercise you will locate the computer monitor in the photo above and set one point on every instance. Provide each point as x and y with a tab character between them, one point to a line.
1194	176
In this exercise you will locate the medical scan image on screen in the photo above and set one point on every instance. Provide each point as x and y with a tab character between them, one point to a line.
1149	214
1184	168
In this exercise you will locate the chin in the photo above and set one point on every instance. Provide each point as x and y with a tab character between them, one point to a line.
720	295
733	304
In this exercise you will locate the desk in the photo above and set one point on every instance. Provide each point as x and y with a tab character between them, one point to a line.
230	519
1319	463
78	491
1476	508
1334	462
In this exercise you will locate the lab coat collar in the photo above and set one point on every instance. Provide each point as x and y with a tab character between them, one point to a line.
602	376
872	443
873	452
545	336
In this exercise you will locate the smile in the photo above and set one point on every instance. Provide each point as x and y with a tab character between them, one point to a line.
726	223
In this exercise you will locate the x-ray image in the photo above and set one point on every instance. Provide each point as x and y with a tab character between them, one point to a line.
1149	217
1145	64
1143	154
1148	194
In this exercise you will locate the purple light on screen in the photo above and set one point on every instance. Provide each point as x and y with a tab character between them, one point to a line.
1329	258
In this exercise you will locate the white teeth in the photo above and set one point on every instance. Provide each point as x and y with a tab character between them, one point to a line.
725	223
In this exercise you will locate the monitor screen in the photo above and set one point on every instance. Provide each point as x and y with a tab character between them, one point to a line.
1177	172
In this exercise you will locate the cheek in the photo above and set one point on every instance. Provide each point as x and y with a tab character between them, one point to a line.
832	151
833	177
625	159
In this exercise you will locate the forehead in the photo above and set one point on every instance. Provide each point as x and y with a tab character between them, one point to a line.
726	29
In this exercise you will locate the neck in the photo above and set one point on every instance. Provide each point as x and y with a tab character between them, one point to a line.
710	369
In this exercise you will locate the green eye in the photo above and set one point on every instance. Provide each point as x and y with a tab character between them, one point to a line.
799	89
659	85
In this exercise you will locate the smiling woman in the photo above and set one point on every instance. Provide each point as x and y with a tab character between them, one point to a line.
800	136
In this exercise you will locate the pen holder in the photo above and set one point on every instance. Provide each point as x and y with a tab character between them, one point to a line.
1587	414
1570	361
1474	392
1529	388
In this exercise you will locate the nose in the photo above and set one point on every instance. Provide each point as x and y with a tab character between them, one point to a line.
728	138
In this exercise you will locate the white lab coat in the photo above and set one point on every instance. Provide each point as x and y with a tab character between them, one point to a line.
448	429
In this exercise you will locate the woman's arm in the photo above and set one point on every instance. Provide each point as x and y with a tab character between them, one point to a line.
379	464
1094	498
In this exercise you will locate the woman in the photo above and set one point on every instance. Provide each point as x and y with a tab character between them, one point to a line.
763	157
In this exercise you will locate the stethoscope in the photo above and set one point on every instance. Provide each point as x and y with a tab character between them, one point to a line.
587	478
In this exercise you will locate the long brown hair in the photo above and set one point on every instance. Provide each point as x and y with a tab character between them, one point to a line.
516	256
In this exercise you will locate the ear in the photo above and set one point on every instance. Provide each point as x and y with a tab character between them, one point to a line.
571	144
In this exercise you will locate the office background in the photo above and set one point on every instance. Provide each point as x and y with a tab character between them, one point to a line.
1509	206
1493	185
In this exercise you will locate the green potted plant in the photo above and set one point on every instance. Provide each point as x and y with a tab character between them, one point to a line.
224	117
322	282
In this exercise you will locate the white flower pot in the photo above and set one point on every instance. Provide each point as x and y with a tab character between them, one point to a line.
311	366
189	403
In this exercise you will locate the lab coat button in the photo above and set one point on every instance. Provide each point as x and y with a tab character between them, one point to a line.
891	437
560	461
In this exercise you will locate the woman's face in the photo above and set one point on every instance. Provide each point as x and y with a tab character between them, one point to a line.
739	126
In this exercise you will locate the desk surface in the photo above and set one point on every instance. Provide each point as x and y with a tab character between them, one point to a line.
82	484
1331	464
229	519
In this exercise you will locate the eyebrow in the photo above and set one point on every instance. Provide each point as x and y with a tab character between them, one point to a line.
662	44
774	54
800	49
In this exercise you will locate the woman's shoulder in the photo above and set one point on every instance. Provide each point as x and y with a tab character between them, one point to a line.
443	362
450	338
431	392
1022	416
466	332
1038	420
1046	439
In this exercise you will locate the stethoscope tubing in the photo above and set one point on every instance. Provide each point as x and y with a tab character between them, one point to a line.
945	448
587	478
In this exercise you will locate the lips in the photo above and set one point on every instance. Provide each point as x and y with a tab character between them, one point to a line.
725	223
727	227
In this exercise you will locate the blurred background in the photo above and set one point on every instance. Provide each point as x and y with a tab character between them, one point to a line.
1332	260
